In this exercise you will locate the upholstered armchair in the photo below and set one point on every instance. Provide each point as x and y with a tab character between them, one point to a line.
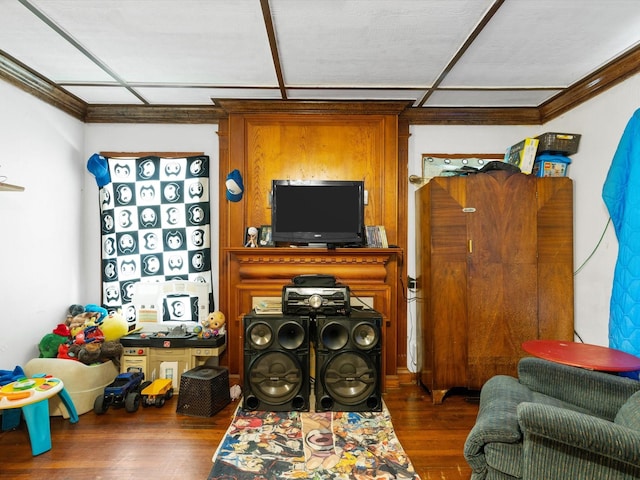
556	422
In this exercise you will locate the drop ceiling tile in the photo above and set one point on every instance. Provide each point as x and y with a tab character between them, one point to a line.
29	40
547	43
186	41
489	98
377	43
104	94
202	96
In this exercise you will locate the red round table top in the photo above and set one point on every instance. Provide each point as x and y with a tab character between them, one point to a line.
584	355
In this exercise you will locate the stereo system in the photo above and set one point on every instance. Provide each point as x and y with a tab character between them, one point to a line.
347	344
315	300
315	294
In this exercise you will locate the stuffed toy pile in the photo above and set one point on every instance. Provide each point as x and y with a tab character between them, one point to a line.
89	335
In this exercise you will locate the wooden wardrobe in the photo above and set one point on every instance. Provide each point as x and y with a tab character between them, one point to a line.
494	269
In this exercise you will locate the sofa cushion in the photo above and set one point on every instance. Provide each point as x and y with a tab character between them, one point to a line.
629	413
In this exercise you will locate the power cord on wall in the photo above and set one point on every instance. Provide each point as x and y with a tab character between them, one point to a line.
595	249
412	341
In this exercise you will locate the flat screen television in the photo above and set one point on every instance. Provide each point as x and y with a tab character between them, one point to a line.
318	212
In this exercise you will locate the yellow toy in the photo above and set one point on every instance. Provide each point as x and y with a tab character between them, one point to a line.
157	392
114	326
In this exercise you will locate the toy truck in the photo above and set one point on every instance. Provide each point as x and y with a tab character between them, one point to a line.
123	391
157	392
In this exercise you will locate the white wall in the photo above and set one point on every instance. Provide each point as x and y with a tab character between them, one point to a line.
40	228
601	122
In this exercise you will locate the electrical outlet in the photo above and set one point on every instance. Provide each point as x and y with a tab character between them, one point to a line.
412	284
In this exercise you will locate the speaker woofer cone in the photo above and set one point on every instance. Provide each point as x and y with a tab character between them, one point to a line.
334	336
260	335
350	378
365	335
291	335
275	377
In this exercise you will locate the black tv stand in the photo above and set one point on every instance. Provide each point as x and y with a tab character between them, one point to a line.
318	245
328	246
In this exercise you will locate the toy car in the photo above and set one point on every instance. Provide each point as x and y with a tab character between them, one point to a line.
123	391
157	392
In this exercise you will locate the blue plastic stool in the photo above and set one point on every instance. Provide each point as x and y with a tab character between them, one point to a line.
36	416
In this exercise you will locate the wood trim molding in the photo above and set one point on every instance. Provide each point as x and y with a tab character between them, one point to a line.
591	86
472	116
372	107
202	114
21	76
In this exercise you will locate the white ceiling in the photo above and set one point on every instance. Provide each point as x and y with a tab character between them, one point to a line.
434	53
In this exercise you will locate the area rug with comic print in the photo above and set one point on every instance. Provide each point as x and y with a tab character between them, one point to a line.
311	445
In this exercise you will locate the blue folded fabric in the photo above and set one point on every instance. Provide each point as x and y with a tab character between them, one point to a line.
8	376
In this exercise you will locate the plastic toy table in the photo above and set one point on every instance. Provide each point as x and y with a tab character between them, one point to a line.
32	396
584	355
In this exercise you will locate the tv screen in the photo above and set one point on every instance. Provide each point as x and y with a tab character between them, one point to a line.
327	212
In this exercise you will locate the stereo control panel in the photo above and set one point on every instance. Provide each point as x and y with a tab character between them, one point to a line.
305	300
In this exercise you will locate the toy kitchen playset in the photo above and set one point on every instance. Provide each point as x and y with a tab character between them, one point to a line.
169	338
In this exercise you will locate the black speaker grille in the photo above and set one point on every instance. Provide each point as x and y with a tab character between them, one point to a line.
350	377
275	377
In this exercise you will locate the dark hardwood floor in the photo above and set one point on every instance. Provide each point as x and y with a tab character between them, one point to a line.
158	443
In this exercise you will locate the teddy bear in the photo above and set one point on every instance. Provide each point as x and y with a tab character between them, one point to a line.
211	326
92	352
111	350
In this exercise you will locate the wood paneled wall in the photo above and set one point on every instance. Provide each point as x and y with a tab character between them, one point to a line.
363	141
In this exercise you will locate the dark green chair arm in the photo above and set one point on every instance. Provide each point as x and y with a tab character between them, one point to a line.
597	392
497	419
561	443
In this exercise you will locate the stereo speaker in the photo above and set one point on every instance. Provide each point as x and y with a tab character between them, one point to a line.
348	362
276	363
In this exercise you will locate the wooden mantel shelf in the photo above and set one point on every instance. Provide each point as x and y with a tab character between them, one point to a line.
347	264
369	273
